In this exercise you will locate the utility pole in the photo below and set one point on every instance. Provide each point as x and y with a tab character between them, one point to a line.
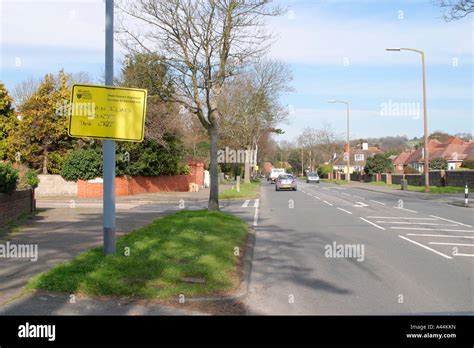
348	175
108	146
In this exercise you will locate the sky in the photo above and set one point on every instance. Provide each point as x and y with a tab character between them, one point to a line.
335	49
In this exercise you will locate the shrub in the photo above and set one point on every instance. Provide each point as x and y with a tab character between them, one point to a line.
32	178
183	169
84	164
410	170
324	170
378	164
468	164
8	178
56	162
438	163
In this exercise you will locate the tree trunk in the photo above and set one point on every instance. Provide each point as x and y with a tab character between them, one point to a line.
45	161
214	191
247	166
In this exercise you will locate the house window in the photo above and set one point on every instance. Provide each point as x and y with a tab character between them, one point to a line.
359	156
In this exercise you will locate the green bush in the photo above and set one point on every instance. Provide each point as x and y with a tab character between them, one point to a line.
468	164
438	163
32	178
56	162
324	170
378	164
8	178
84	164
183	169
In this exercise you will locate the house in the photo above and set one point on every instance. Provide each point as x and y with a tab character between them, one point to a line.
454	150
358	158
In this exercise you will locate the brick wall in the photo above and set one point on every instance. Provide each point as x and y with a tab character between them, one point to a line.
12	206
451	178
144	184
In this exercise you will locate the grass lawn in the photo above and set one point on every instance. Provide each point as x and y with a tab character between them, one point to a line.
335	181
246	191
197	244
433	189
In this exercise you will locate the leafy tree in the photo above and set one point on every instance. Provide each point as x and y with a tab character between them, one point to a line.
41	131
7	120
378	164
468	164
438	163
84	164
324	170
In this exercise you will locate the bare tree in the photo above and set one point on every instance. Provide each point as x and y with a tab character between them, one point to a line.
250	105
24	90
456	9
203	42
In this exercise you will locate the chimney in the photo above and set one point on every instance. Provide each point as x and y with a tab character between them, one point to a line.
365	146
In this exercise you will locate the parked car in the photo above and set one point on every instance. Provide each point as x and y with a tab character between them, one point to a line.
312	177
275	173
285	181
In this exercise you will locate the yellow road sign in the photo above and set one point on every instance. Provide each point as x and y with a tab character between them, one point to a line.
107	112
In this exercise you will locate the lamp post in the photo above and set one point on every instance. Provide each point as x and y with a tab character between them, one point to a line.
425	116
348	176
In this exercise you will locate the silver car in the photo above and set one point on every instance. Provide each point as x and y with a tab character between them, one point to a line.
312	177
285	182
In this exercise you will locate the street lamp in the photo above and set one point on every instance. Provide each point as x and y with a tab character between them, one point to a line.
425	116
348	176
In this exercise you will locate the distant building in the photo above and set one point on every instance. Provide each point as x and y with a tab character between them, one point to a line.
358	158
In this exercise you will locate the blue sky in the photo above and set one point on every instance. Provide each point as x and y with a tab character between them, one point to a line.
335	48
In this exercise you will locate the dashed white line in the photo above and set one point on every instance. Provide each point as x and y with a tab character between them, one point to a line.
430	229
345	194
456	244
405	209
328	203
246	203
377	202
255	217
359	197
317	197
370	222
344	210
425	247
414	223
396	217
459	223
438	235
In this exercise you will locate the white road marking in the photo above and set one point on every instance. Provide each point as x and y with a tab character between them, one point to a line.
457	244
246	203
359	197
427	248
438	235
459	223
471	255
377	202
317	197
255	216
412	211
414	223
344	210
360	205
396	217
346	194
430	229
328	203
370	222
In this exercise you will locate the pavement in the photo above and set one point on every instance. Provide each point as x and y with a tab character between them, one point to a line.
393	252
343	250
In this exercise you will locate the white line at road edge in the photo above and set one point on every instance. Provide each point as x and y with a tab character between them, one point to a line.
370	222
255	217
344	210
328	203
471	255
459	223
427	248
396	217
257	203
455	244
246	203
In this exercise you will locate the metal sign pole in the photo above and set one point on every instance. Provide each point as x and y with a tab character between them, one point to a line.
108	146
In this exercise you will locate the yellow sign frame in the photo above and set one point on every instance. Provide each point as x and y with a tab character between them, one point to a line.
107	112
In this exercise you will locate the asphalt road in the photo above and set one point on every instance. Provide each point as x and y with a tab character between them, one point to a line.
392	254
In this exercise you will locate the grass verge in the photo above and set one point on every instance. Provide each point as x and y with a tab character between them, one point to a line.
251	190
188	244
433	189
335	181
